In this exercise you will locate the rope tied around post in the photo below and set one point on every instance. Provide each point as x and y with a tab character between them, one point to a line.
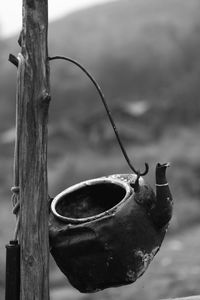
16	205
15	199
12	280
17	61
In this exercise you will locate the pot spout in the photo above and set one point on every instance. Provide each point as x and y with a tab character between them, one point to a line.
161	213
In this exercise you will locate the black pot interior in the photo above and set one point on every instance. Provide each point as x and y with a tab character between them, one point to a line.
90	200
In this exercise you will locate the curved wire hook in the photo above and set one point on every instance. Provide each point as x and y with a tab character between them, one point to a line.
137	172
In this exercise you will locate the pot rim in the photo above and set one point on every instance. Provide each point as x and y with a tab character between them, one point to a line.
90	182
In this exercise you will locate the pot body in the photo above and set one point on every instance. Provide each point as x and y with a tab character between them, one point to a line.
108	248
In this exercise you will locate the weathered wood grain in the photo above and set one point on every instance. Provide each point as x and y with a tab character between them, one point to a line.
33	101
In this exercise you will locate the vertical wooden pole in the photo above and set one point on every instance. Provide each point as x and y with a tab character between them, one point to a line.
33	95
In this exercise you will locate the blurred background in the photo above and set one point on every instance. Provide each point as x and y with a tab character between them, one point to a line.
145	56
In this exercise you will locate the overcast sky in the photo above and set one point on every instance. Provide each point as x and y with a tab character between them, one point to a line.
11	16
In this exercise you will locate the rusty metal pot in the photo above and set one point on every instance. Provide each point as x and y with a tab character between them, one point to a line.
104	232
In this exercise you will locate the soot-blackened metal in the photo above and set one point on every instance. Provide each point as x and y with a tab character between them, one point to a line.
115	247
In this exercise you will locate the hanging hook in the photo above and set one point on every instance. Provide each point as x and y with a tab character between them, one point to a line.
137	172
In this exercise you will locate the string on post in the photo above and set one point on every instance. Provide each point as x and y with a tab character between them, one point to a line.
137	172
12	278
15	189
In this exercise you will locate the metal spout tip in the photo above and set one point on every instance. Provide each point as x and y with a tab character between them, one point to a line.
166	165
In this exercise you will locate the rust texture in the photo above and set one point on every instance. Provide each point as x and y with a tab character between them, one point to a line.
113	233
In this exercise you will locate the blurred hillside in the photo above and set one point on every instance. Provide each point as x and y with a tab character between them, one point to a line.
139	51
145	56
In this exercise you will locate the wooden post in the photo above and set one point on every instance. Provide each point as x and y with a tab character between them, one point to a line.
33	101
